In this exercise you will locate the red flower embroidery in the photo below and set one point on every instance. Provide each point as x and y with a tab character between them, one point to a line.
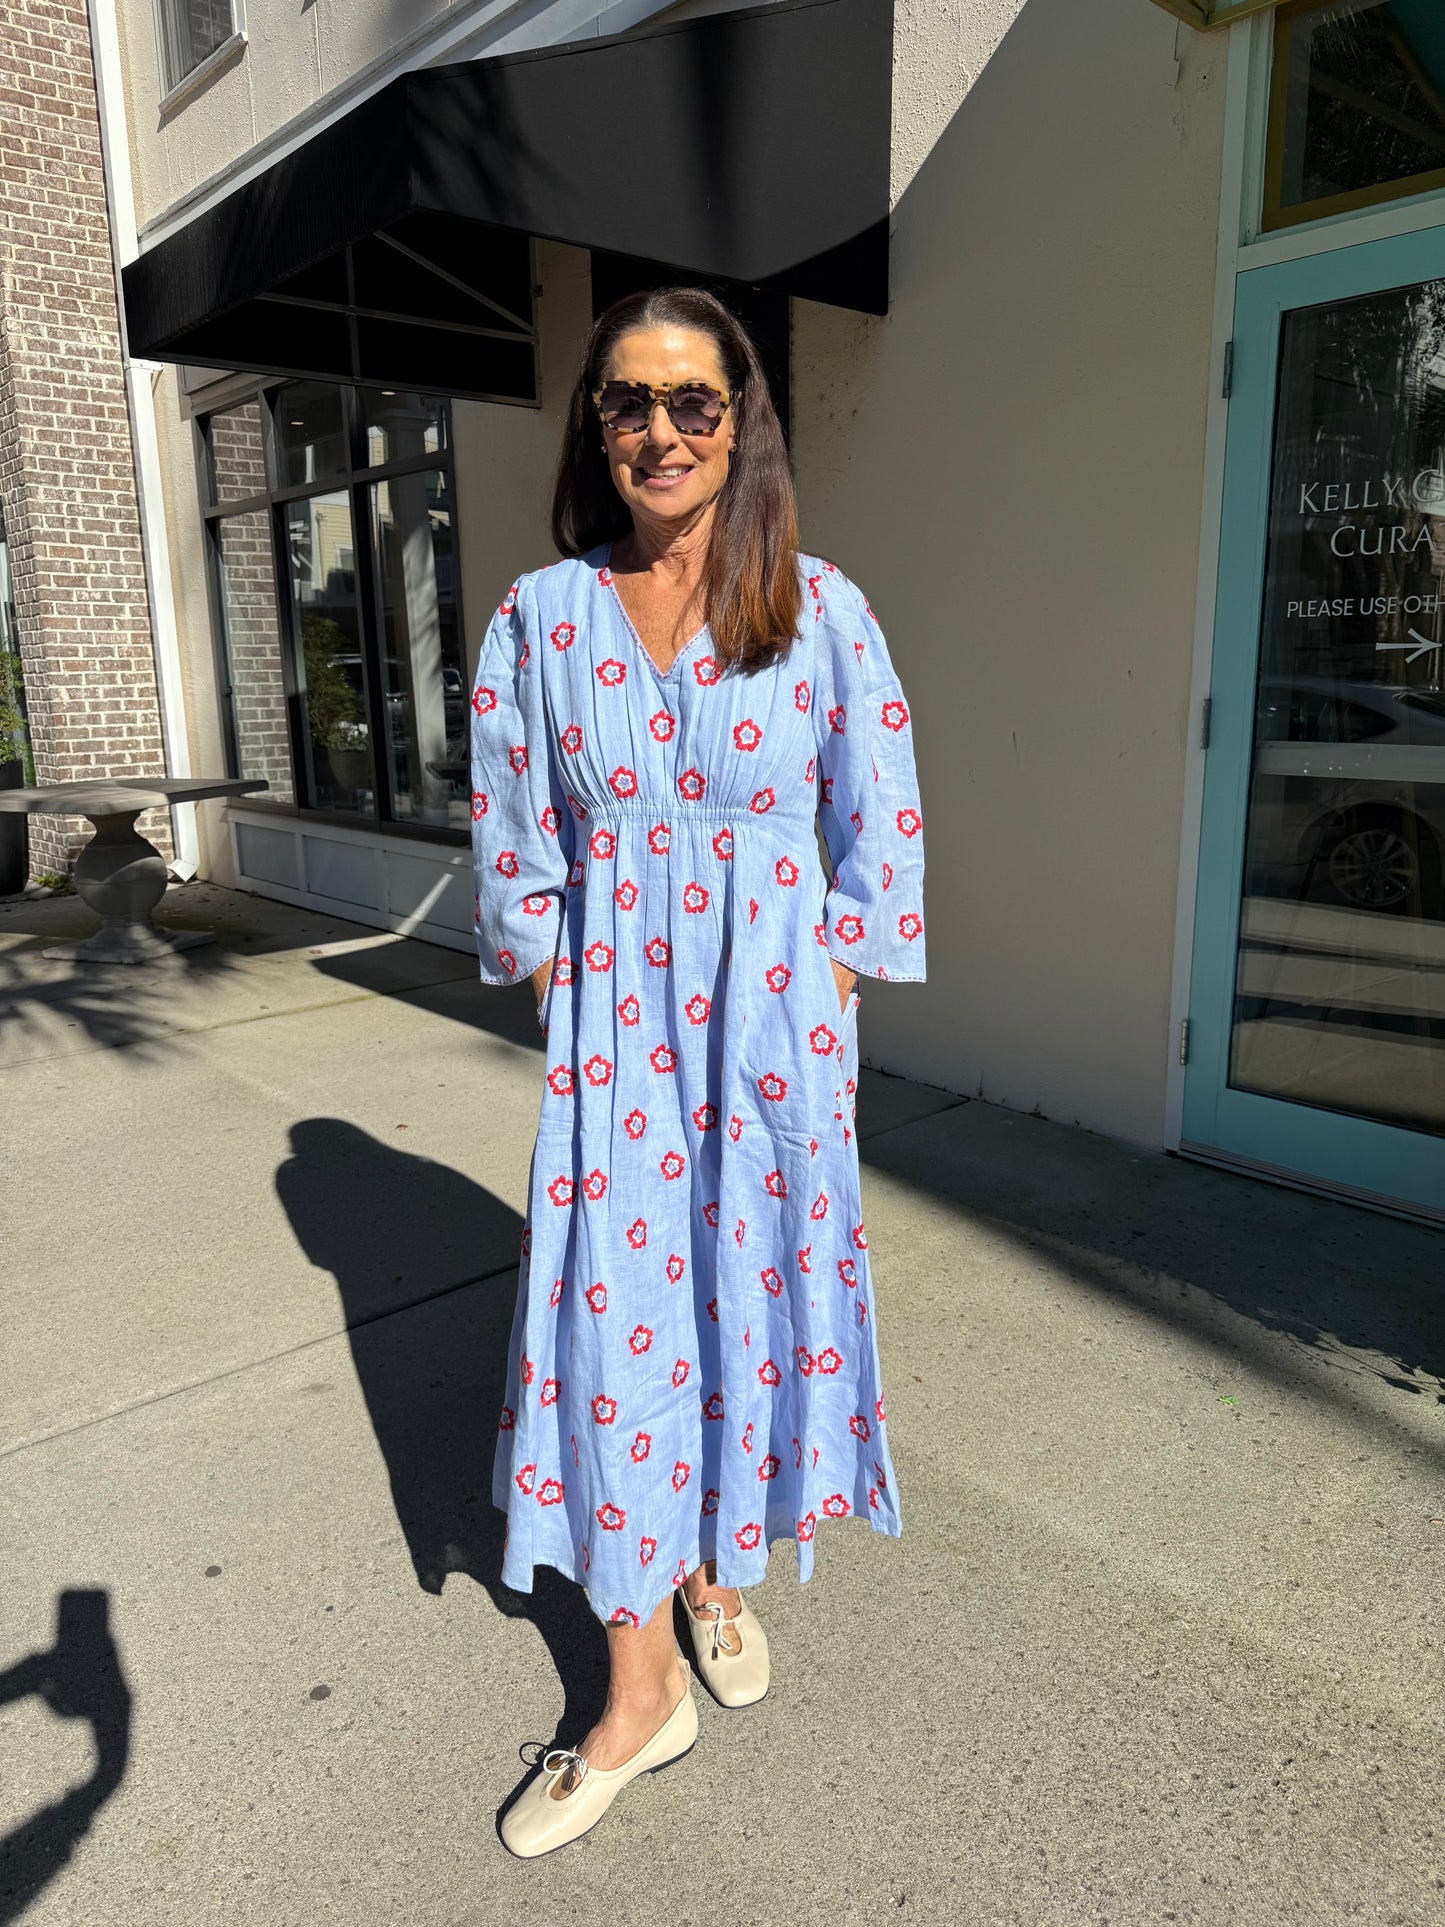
672	1165
560	1081
746	735
611	673
828	1361
738	1234
805	1259
564	972
508	962
800	697
597	1070
596	1296
775	1184
836	1507
819	1209
697	1008
694	899
626	894
680	1371
484	700
770	1467
878	1411
735	1127
507	864
706	671
805	1527
623	783
635	1123
598	957
786	872
550	1389
859	1427
712	1405
480	805
508	1420
887	876
604	1409
722	845
856	820
821	1040
748	1536
658	952
849	929
612	1518
773	1087
910	925
659	839
630	1011
838	720
646	1547
691	785
772	1281
909	822
571	739
575	875
805	1360
711	1309
517	757
710	1212
636	1233
762	802
680	1475
847	1272
768	1373
641	1446
709	1502
894	716
705	1117
676	1266
554	1297
579	810
563	635
602	844
535	906
594	1186
860	1238
561	1191
662	726
640	1340
549	1492
664	1058
526	1479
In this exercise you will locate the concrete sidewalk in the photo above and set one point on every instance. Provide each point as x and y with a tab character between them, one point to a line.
1161	1641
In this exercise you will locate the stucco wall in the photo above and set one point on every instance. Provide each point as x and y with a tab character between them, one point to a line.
1010	463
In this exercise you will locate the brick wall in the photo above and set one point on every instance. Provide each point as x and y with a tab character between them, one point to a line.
67	475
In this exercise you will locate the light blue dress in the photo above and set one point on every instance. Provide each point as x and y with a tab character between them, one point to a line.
694	1368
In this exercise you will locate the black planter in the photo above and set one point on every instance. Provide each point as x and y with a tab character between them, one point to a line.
14	835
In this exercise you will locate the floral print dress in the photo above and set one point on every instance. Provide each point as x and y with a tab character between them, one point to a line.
693	1370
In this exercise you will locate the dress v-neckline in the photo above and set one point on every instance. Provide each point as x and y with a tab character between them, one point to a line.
662	675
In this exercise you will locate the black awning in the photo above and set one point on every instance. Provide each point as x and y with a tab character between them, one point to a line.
750	147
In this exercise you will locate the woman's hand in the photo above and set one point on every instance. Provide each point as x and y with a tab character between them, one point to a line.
541	977
845	980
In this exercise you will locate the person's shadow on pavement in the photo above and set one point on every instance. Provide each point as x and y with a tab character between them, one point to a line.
79	1678
425	1262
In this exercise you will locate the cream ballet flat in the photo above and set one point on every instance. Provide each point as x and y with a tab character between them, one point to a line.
734	1678
569	1797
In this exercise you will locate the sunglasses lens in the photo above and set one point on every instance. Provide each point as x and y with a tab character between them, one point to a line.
624	408
696	410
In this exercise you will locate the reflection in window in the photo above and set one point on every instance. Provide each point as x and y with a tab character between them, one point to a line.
310	427
426	693
1357	106
321	554
190	31
399	426
253	651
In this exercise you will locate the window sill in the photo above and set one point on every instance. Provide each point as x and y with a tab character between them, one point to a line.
226	55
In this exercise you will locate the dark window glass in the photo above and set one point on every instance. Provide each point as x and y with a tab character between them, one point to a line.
191	30
1340	978
309	423
1357	110
426	690
321	553
399	427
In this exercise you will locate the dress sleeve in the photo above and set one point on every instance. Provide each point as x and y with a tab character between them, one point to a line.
521	827
868	807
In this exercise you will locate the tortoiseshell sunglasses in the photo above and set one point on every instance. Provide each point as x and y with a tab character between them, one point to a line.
692	406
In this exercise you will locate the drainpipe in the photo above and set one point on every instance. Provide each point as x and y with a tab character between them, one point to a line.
140	399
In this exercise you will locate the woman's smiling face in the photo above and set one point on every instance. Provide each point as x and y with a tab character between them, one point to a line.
668	480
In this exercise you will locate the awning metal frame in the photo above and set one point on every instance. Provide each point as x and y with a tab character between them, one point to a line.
1209	15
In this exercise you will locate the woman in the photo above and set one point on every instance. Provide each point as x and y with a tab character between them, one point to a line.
660	722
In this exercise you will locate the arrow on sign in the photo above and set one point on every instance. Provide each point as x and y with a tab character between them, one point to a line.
1415	654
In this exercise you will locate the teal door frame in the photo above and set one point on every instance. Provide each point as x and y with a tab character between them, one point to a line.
1354	1156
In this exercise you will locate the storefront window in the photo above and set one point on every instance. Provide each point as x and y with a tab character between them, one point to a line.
333	533
1357	106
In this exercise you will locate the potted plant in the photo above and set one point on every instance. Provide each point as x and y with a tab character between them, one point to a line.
16	770
341	749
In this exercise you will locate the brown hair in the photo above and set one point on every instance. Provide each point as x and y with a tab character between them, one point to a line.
752	595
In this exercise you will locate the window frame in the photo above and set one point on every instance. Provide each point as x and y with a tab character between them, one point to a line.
176	87
356	482
1273	216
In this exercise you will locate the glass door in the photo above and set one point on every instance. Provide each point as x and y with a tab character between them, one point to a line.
1317	1014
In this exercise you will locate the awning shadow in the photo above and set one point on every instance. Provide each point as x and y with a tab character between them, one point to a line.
79	1677
401	1233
